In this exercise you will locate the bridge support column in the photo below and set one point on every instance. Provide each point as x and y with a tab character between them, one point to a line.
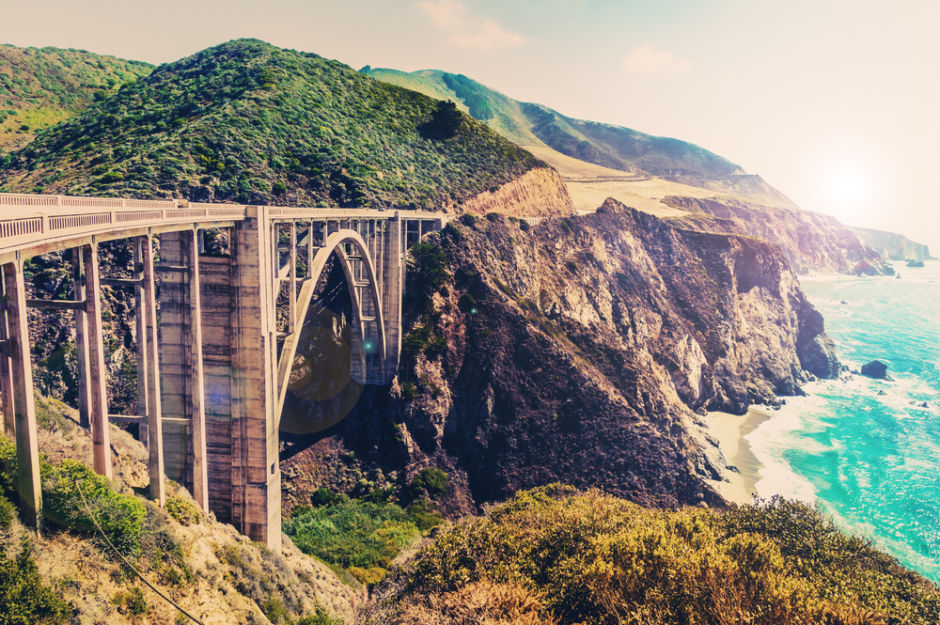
81	338
20	393
392	293
155	463
182	386
7	384
97	377
256	474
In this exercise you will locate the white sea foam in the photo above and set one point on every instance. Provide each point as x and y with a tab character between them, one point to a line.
769	442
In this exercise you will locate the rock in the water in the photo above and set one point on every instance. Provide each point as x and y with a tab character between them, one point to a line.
875	369
815	349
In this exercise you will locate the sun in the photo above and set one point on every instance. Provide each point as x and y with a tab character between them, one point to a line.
847	188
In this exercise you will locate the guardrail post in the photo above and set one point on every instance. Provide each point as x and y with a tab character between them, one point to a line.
20	363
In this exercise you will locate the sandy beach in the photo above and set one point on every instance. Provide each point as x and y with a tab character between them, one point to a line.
730	431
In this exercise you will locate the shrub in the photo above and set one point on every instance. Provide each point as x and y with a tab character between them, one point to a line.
7	512
361	536
325	497
120	516
370	576
468	220
320	617
594	558
183	510
132	601
467	303
432	480
24	599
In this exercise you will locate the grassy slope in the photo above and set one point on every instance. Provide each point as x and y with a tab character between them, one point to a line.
205	566
553	556
534	124
248	122
40	87
552	136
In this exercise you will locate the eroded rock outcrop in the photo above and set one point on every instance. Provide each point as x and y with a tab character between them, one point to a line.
576	351
539	192
811	241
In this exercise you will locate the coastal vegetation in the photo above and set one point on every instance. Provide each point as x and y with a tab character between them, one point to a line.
362	536
606	145
555	555
40	87
248	122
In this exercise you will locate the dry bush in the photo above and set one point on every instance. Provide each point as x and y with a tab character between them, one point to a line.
477	603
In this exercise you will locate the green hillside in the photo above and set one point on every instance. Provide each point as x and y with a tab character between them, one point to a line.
40	87
556	556
534	124
248	122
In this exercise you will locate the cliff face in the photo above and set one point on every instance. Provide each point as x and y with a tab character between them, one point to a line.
539	192
811	241
573	351
893	246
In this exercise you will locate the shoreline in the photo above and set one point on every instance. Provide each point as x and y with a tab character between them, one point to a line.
731	431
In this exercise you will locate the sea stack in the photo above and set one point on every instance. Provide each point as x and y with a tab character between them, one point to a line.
875	369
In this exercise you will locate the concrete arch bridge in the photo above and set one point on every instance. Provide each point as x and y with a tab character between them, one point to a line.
214	365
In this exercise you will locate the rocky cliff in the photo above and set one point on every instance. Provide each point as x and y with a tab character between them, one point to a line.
539	192
811	241
892	245
576	351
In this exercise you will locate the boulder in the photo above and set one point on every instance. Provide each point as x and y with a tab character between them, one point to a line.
875	369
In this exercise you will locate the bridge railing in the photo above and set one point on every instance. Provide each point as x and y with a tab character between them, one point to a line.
26	218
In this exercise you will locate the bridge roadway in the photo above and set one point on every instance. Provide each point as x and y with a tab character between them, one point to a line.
215	362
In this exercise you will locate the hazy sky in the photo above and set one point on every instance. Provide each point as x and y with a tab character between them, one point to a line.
837	103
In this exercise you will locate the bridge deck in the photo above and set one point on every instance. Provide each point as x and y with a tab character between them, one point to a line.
38	224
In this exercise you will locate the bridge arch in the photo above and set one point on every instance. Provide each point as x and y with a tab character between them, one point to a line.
368	324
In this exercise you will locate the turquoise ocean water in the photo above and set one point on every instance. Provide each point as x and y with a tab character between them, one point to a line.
869	451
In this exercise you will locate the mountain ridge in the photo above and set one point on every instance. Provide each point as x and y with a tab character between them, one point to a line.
40	87
246	121
603	144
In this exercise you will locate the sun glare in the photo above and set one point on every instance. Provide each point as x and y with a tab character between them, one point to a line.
847	188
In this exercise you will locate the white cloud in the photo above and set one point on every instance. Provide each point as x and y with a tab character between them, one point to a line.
468	31
489	35
447	14
647	60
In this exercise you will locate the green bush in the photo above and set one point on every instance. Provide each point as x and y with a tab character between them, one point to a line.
325	497
353	533
596	559
427	271
7	512
432	480
183	510
360	536
121	517
133	601
24	598
467	303
7	467
320	617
